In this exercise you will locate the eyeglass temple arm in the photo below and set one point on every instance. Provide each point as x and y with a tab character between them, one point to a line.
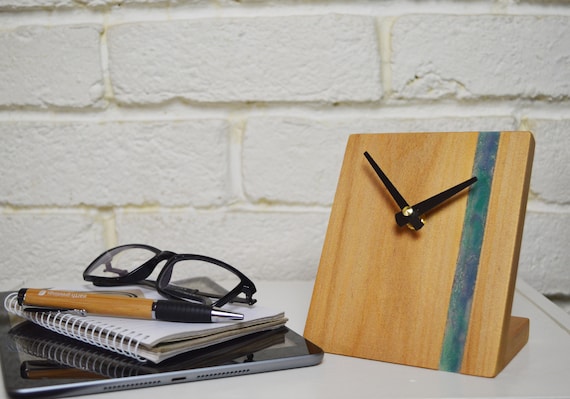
247	288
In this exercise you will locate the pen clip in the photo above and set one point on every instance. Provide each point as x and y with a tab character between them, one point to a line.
74	312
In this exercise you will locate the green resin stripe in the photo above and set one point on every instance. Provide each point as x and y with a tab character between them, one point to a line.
469	253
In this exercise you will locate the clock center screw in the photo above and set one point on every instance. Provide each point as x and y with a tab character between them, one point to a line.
408	211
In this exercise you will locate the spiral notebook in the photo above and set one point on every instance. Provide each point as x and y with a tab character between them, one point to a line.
149	340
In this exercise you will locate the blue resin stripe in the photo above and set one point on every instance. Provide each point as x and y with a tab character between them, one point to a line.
469	253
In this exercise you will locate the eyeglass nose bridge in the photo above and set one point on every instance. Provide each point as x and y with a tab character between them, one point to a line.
166	273
146	269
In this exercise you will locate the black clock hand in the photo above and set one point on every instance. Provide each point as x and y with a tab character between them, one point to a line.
430	203
403	218
391	189
411	219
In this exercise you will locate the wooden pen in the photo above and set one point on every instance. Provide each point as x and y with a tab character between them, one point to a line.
120	306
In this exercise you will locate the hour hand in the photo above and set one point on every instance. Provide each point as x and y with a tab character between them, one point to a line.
414	221
410	213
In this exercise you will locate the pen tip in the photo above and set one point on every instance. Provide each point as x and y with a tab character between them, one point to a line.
222	315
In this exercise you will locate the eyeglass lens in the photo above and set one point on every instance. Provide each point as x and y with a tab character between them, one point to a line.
199	277
120	262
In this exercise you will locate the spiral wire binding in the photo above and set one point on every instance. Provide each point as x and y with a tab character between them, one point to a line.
103	335
71	354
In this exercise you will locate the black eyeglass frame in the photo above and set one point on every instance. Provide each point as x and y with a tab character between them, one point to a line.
140	274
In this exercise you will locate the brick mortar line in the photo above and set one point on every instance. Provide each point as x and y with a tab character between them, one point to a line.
10	19
526	108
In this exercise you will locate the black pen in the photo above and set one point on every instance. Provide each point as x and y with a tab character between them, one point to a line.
114	305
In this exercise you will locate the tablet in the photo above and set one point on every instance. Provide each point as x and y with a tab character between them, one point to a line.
41	364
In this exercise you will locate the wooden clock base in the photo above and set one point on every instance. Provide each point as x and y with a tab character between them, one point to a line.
439	297
516	339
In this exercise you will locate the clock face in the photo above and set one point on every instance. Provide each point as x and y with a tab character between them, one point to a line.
438	294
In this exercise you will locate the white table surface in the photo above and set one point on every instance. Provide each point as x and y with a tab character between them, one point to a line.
540	370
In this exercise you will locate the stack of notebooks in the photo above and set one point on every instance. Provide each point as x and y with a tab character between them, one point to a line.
149	340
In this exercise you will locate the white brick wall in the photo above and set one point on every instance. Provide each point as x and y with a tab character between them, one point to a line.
51	66
219	126
108	164
480	56
291	59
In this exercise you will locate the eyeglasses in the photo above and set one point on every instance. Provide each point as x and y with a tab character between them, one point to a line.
190	277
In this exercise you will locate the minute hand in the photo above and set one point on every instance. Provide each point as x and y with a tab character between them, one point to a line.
425	206
391	188
412	220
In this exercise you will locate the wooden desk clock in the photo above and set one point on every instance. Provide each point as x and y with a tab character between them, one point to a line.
421	253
